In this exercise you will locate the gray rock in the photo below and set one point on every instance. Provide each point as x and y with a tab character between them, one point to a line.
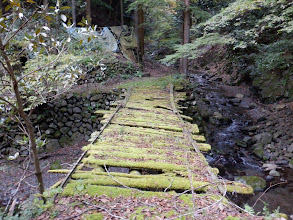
74	129
52	125
69	123
282	162
241	144
77	137
245	104
63	109
263	138
70	111
269	178
49	131
217	115
52	145
86	115
77	116
63	103
280	107
57	134
250	129
81	129
76	110
44	126
269	166
239	96
97	97
60	124
290	148
64	130
247	140
84	120
89	127
274	173
277	135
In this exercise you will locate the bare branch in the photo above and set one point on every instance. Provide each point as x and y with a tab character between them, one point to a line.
20	28
271	186
8	102
120	182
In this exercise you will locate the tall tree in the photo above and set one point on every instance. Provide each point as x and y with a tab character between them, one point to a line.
73	8
186	35
1	7
122	12
139	25
88	13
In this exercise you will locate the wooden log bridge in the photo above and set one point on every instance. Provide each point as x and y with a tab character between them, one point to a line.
147	163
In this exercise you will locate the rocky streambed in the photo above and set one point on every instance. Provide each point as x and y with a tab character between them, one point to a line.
251	142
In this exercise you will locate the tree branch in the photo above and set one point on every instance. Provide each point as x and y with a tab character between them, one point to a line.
20	28
13	106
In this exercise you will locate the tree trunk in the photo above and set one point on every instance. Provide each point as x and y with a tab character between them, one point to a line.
73	13
1	8
122	12
140	33
88	12
28	123
186	34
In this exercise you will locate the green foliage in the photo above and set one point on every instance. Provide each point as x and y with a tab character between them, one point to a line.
33	208
196	48
259	46
275	56
56	75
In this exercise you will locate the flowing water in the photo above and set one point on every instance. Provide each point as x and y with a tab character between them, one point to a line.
231	159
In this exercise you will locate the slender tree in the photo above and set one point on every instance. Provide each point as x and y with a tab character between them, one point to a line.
88	13
139	25
19	108
73	12
186	35
121	12
1	7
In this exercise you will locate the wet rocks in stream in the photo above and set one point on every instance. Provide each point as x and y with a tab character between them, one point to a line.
244	134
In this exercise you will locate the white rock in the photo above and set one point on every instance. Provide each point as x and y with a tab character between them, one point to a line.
269	166
239	96
274	173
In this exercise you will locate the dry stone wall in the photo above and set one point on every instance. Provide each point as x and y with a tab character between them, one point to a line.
65	121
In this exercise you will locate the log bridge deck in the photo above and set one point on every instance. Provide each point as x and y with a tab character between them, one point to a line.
147	160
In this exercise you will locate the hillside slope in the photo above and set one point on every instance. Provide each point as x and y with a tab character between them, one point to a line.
258	46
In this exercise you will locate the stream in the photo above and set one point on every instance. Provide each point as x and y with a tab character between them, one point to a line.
224	135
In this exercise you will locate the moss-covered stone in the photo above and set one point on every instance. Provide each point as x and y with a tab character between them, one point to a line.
257	183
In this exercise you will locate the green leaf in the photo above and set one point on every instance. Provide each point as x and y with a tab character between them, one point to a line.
15	3
65	7
38	31
7	8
